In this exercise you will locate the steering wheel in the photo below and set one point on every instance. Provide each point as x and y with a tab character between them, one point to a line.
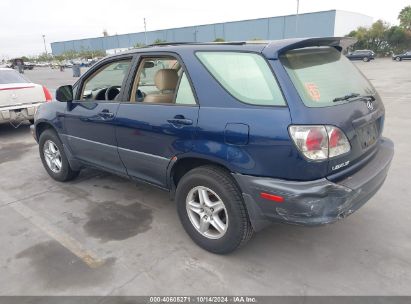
112	92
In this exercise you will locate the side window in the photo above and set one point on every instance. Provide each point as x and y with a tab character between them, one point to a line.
185	93
161	80
106	82
246	76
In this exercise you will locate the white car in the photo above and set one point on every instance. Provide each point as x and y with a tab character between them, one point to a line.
19	98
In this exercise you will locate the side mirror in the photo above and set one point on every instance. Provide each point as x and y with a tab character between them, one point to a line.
64	93
149	64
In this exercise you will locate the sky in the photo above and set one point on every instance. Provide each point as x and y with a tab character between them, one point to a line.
23	23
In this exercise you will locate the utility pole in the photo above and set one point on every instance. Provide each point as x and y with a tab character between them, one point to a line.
296	18
44	41
145	31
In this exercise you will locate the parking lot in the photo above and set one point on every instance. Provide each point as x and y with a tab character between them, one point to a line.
105	235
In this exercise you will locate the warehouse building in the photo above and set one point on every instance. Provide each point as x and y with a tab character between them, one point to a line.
316	24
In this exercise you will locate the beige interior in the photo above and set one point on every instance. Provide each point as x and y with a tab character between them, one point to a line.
166	82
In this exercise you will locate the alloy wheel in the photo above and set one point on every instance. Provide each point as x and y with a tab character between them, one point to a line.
52	156
207	212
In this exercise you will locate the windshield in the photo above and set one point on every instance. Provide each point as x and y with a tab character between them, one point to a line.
323	74
10	76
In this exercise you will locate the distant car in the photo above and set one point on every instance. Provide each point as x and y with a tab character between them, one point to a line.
19	98
26	66
364	55
403	56
68	64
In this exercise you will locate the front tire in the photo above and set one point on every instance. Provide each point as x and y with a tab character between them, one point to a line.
212	211
54	158
365	59
398	59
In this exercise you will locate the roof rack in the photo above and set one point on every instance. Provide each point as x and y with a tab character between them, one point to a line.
196	43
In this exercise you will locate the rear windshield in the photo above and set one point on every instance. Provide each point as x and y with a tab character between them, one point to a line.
10	76
322	74
246	76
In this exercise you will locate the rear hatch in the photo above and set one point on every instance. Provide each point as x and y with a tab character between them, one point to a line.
16	90
334	92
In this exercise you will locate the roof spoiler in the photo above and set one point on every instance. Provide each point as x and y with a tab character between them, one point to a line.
275	48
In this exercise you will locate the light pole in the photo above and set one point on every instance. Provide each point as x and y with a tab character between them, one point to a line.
44	41
296	18
145	30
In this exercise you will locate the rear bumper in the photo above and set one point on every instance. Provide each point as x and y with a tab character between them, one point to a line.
315	202
18	113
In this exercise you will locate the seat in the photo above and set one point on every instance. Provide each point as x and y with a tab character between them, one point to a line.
166	82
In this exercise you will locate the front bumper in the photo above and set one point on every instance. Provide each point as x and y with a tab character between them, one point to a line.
315	202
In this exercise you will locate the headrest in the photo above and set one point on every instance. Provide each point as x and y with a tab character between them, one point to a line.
166	79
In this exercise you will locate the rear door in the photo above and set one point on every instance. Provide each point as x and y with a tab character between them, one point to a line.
159	119
322	74
90	119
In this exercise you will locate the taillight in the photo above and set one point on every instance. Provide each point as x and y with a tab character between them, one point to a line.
319	142
337	142
47	94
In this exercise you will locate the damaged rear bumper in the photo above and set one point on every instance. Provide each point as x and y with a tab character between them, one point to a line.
315	202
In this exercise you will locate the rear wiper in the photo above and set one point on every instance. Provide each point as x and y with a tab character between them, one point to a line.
354	97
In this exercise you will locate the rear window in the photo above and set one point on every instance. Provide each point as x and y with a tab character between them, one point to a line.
322	74
246	76
11	76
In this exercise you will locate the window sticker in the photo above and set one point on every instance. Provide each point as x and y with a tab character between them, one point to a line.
313	90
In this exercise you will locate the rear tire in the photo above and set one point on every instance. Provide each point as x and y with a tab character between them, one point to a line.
215	186
54	158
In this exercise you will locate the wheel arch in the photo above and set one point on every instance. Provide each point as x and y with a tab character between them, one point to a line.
42	126
181	166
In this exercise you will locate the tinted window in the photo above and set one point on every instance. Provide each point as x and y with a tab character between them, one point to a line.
11	76
246	76
184	93
321	74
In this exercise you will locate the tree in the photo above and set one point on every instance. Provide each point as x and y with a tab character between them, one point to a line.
158	41
138	45
219	40
381	38
405	17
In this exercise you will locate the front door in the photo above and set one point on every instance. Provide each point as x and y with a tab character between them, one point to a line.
89	120
159	121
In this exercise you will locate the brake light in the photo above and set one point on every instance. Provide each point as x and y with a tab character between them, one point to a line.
47	94
338	142
319	142
312	141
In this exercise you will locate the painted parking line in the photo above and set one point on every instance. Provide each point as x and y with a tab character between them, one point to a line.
88	257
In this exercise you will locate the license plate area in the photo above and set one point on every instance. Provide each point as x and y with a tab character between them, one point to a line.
368	135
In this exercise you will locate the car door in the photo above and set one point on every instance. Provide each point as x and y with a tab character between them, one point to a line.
159	119
89	119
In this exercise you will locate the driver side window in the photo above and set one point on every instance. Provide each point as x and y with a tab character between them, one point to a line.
106	82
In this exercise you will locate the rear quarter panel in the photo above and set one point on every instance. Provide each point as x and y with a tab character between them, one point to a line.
269	151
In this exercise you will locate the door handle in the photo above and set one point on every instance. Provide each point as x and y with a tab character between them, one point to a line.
180	120
106	114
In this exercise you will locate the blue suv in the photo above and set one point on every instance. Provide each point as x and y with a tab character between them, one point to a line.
240	134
